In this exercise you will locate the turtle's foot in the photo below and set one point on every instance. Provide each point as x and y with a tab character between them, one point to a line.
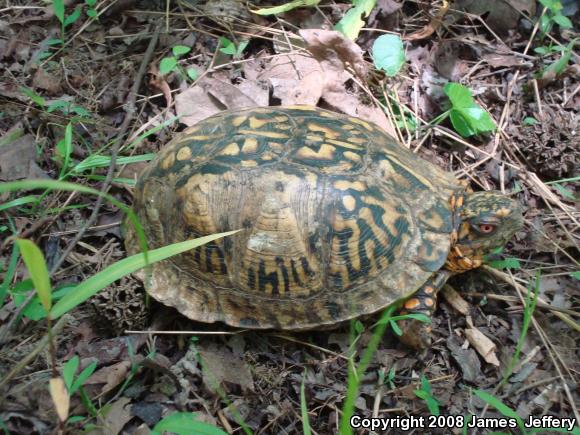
416	334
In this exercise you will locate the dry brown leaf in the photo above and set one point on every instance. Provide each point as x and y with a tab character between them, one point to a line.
111	376
158	84
227	94
194	104
47	82
455	300
483	345
334	51
17	157
430	28
60	397
295	79
220	366
116	416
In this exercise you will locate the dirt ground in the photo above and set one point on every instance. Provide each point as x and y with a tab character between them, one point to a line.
92	100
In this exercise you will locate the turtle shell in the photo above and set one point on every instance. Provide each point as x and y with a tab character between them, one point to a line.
338	219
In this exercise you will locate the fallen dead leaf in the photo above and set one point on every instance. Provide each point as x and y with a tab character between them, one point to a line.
114	417
220	366
483	345
158	83
18	157
227	94
466	359
433	25
194	105
502	15
455	300
111	376
47	82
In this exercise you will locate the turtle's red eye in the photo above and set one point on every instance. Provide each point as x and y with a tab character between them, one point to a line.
487	228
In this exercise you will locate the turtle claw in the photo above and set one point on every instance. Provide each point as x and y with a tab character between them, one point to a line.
416	334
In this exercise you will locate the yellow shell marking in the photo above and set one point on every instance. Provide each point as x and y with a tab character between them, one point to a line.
349	202
351	156
239	120
328	132
344	144
345	184
168	161
232	149
270	134
250	145
315	138
359	140
361	122
184	153
326	152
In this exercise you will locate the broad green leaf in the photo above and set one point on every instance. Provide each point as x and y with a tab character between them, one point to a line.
192	73
351	24
81	111
58	7
33	96
91	3
69	371
286	7
460	124
528	120
241	48
72	17
459	95
93	14
58	104
121	268
83	376
167	65
576	274
388	54
228	47
560	65
562	21
506	263
180	50
36	265
185	423
395	327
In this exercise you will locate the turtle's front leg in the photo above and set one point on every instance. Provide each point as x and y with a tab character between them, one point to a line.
417	334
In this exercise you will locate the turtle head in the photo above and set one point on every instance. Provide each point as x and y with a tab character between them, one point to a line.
487	220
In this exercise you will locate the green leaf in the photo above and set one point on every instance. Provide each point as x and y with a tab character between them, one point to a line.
560	65
61	105
505	410
388	54
93	14
180	50
228	47
459	95
396	329
359	327
18	202
506	263
564	192
286	7
72	17
33	96
542	50
351	24
58	7
576	274
185	423
91	3
426	394
83	376
562	21
36	265
68	372
81	111
241	48
167	65
64	149
121	268
192	73
303	408
460	124
54	41
528	120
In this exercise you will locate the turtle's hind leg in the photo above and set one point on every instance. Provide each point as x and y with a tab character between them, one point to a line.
417	334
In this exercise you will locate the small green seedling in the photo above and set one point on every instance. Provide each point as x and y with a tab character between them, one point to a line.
556	68
528	120
426	394
65	21
91	11
388	54
230	48
467	117
566	193
553	16
493	260
351	24
171	63
185	423
73	381
304	408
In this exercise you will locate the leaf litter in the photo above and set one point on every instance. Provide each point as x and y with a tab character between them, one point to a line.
297	58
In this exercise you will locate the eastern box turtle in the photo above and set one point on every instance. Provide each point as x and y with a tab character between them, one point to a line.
338	219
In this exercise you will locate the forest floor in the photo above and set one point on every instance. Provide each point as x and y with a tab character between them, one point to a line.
90	92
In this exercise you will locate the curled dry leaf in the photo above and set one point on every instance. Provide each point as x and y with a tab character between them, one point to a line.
219	366
455	300
433	25
60	398
483	345
111	376
158	84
